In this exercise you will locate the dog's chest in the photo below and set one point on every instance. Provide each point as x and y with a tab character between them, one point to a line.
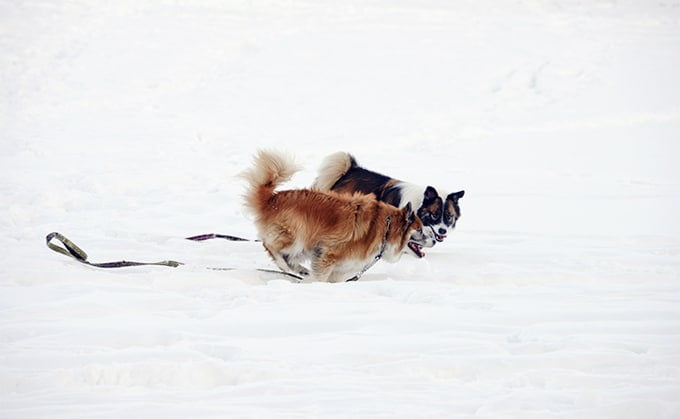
352	266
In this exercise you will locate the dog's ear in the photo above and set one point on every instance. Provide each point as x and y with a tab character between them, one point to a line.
456	196
430	194
409	215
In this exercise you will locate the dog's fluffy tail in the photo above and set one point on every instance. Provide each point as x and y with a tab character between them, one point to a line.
270	169
332	169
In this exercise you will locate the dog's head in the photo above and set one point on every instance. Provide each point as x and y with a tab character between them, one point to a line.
416	236
439	215
407	229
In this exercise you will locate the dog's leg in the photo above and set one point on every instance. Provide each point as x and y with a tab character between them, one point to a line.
322	271
293	262
286	262
339	277
322	266
278	259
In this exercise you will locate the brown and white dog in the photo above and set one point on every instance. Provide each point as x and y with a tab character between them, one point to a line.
340	234
340	172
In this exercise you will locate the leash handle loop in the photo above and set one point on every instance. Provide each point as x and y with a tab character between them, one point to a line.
70	249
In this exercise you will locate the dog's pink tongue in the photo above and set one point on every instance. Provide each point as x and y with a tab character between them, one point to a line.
417	249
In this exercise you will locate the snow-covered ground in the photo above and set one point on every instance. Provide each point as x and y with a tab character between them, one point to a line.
123	124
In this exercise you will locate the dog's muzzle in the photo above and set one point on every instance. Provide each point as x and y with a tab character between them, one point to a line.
438	237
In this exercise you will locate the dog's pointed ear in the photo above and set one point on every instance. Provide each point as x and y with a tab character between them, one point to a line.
430	194
409	215
456	196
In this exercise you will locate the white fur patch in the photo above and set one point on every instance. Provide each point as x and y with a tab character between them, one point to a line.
332	169
411	193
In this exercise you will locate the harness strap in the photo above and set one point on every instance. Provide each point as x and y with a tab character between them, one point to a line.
70	249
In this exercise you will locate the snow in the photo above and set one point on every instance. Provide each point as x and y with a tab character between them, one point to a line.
124	125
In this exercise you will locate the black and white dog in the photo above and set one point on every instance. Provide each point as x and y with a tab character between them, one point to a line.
340	172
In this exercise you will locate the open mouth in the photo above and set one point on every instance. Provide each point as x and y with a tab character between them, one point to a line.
416	248
439	237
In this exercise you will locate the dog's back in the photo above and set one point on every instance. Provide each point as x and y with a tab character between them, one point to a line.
300	208
340	172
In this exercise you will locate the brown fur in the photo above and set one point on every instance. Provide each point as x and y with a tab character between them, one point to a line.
340	234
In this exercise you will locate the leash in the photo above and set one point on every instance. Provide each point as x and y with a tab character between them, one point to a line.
269	271
71	250
202	237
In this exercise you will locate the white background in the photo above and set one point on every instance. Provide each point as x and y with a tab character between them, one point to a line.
124	124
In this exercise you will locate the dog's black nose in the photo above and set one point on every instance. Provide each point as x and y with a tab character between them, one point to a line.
442	231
